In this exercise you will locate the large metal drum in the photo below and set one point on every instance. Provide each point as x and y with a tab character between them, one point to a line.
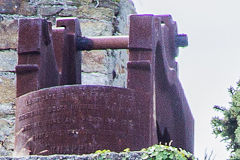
80	119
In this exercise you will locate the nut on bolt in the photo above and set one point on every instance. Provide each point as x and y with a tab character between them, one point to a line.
181	40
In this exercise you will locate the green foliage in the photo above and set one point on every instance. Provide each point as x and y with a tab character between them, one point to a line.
162	152
126	150
228	127
102	151
116	1
156	152
103	154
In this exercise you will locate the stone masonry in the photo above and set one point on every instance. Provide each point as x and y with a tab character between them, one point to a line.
97	18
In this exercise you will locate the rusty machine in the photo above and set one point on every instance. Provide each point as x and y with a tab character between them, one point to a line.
55	114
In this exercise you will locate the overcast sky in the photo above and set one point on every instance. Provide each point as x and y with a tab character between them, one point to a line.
211	62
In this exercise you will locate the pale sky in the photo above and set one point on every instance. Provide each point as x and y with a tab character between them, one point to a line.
211	62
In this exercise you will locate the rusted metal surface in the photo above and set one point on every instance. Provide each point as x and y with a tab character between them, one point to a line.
104	42
77	119
69	59
81	119
172	113
59	37
36	67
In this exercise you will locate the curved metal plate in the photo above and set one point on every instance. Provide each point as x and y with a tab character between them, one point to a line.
81	119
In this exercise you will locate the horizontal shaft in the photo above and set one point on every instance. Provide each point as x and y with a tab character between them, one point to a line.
103	42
